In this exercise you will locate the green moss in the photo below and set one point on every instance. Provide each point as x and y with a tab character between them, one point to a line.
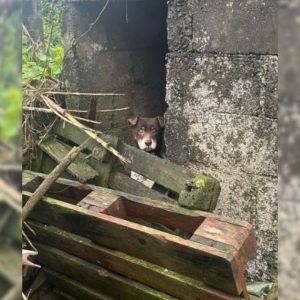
201	193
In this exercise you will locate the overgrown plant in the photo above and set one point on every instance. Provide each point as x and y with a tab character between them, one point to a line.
44	60
10	94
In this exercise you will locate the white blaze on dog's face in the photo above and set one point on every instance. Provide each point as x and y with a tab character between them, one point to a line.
147	144
147	131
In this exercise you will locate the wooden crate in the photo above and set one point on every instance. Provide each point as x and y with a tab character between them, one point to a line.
172	182
177	252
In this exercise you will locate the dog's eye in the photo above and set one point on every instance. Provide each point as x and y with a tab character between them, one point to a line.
142	129
153	129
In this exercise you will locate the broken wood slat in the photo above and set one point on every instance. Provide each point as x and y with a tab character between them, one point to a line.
241	238
154	276
213	266
90	202
73	288
96	277
162	171
79	168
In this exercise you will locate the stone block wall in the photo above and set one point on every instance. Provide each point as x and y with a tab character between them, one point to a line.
222	115
124	52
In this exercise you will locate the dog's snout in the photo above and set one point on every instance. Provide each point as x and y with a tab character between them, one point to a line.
148	143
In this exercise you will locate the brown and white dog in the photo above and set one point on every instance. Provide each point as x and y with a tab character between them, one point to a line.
148	132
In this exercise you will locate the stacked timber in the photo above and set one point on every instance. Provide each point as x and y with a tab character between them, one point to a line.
99	243
96	165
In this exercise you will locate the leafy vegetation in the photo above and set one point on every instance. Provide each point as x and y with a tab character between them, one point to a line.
44	61
10	91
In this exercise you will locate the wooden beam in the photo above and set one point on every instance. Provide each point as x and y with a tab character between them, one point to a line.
95	277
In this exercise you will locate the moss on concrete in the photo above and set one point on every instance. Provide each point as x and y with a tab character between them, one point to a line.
198	192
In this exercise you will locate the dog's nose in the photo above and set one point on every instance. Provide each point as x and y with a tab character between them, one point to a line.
148	143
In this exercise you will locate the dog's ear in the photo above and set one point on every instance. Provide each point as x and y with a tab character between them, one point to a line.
132	121
161	121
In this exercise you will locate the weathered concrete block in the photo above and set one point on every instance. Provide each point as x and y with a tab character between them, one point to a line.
219	109
234	26
180	26
225	84
224	140
210	26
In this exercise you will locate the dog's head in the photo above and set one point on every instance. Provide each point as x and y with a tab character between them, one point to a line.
147	132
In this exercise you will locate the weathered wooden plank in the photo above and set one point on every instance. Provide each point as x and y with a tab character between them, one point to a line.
79	168
241	238
97	202
152	275
78	136
213	266
73	288
121	182
157	169
96	277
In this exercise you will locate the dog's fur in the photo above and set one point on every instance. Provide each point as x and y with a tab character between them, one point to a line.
148	132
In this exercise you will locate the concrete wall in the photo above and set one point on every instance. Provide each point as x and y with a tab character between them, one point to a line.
221	91
124	52
222	115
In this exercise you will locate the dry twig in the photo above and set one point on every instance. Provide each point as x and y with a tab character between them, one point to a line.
69	118
49	111
81	94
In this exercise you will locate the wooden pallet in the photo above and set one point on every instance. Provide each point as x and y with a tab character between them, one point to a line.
195	191
176	252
